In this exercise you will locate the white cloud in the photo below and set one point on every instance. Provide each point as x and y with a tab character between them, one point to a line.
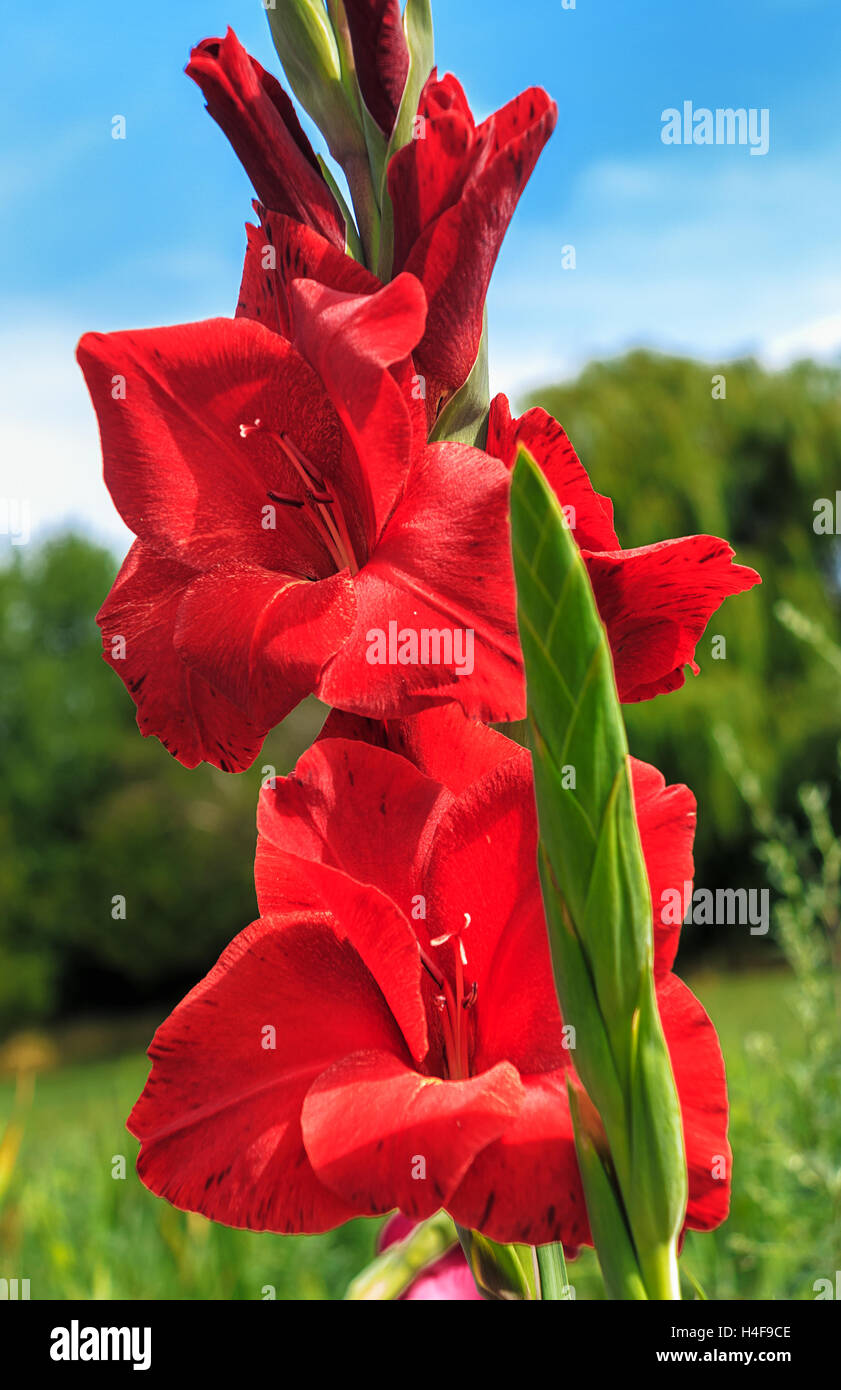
49	442
820	338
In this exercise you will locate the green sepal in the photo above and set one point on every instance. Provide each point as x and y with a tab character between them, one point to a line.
309	52
657	1147
594	1060
552	1270
503	1273
420	40
353	244
464	418
593	873
608	1223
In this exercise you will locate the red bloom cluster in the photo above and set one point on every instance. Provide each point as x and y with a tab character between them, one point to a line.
387	1034
276	470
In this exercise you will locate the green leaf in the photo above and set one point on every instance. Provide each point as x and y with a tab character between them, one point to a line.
608	1221
503	1273
551	1266
354	245
597	898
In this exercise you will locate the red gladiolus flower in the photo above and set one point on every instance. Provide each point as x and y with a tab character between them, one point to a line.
286	505
387	1034
655	601
454	190
260	121
381	56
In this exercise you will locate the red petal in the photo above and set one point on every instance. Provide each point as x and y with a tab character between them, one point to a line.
443	743
350	340
443	564
702	1090
191	718
260	121
526	1186
176	466
656	602
381	56
363	915
369	1119
359	809
424	182
549	445
666	820
262	638
281	250
484	862
219	1118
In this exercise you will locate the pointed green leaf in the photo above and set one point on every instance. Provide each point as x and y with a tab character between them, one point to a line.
597	898
503	1273
588	829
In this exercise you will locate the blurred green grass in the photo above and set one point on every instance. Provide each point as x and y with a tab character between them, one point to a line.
76	1232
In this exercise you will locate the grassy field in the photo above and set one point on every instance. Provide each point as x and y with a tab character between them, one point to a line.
76	1231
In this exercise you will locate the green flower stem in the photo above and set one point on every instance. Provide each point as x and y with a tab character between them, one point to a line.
354	245
554	1285
658	1266
389	1276
358	173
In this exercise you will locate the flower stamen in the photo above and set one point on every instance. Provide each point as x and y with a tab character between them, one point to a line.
453	1006
323	509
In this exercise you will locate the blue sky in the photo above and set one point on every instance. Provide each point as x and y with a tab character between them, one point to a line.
700	249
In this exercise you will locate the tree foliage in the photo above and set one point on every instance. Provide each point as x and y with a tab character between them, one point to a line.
90	811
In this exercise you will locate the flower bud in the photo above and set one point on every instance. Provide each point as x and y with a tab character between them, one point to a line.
260	121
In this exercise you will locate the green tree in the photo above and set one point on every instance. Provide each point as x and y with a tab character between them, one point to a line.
90	811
